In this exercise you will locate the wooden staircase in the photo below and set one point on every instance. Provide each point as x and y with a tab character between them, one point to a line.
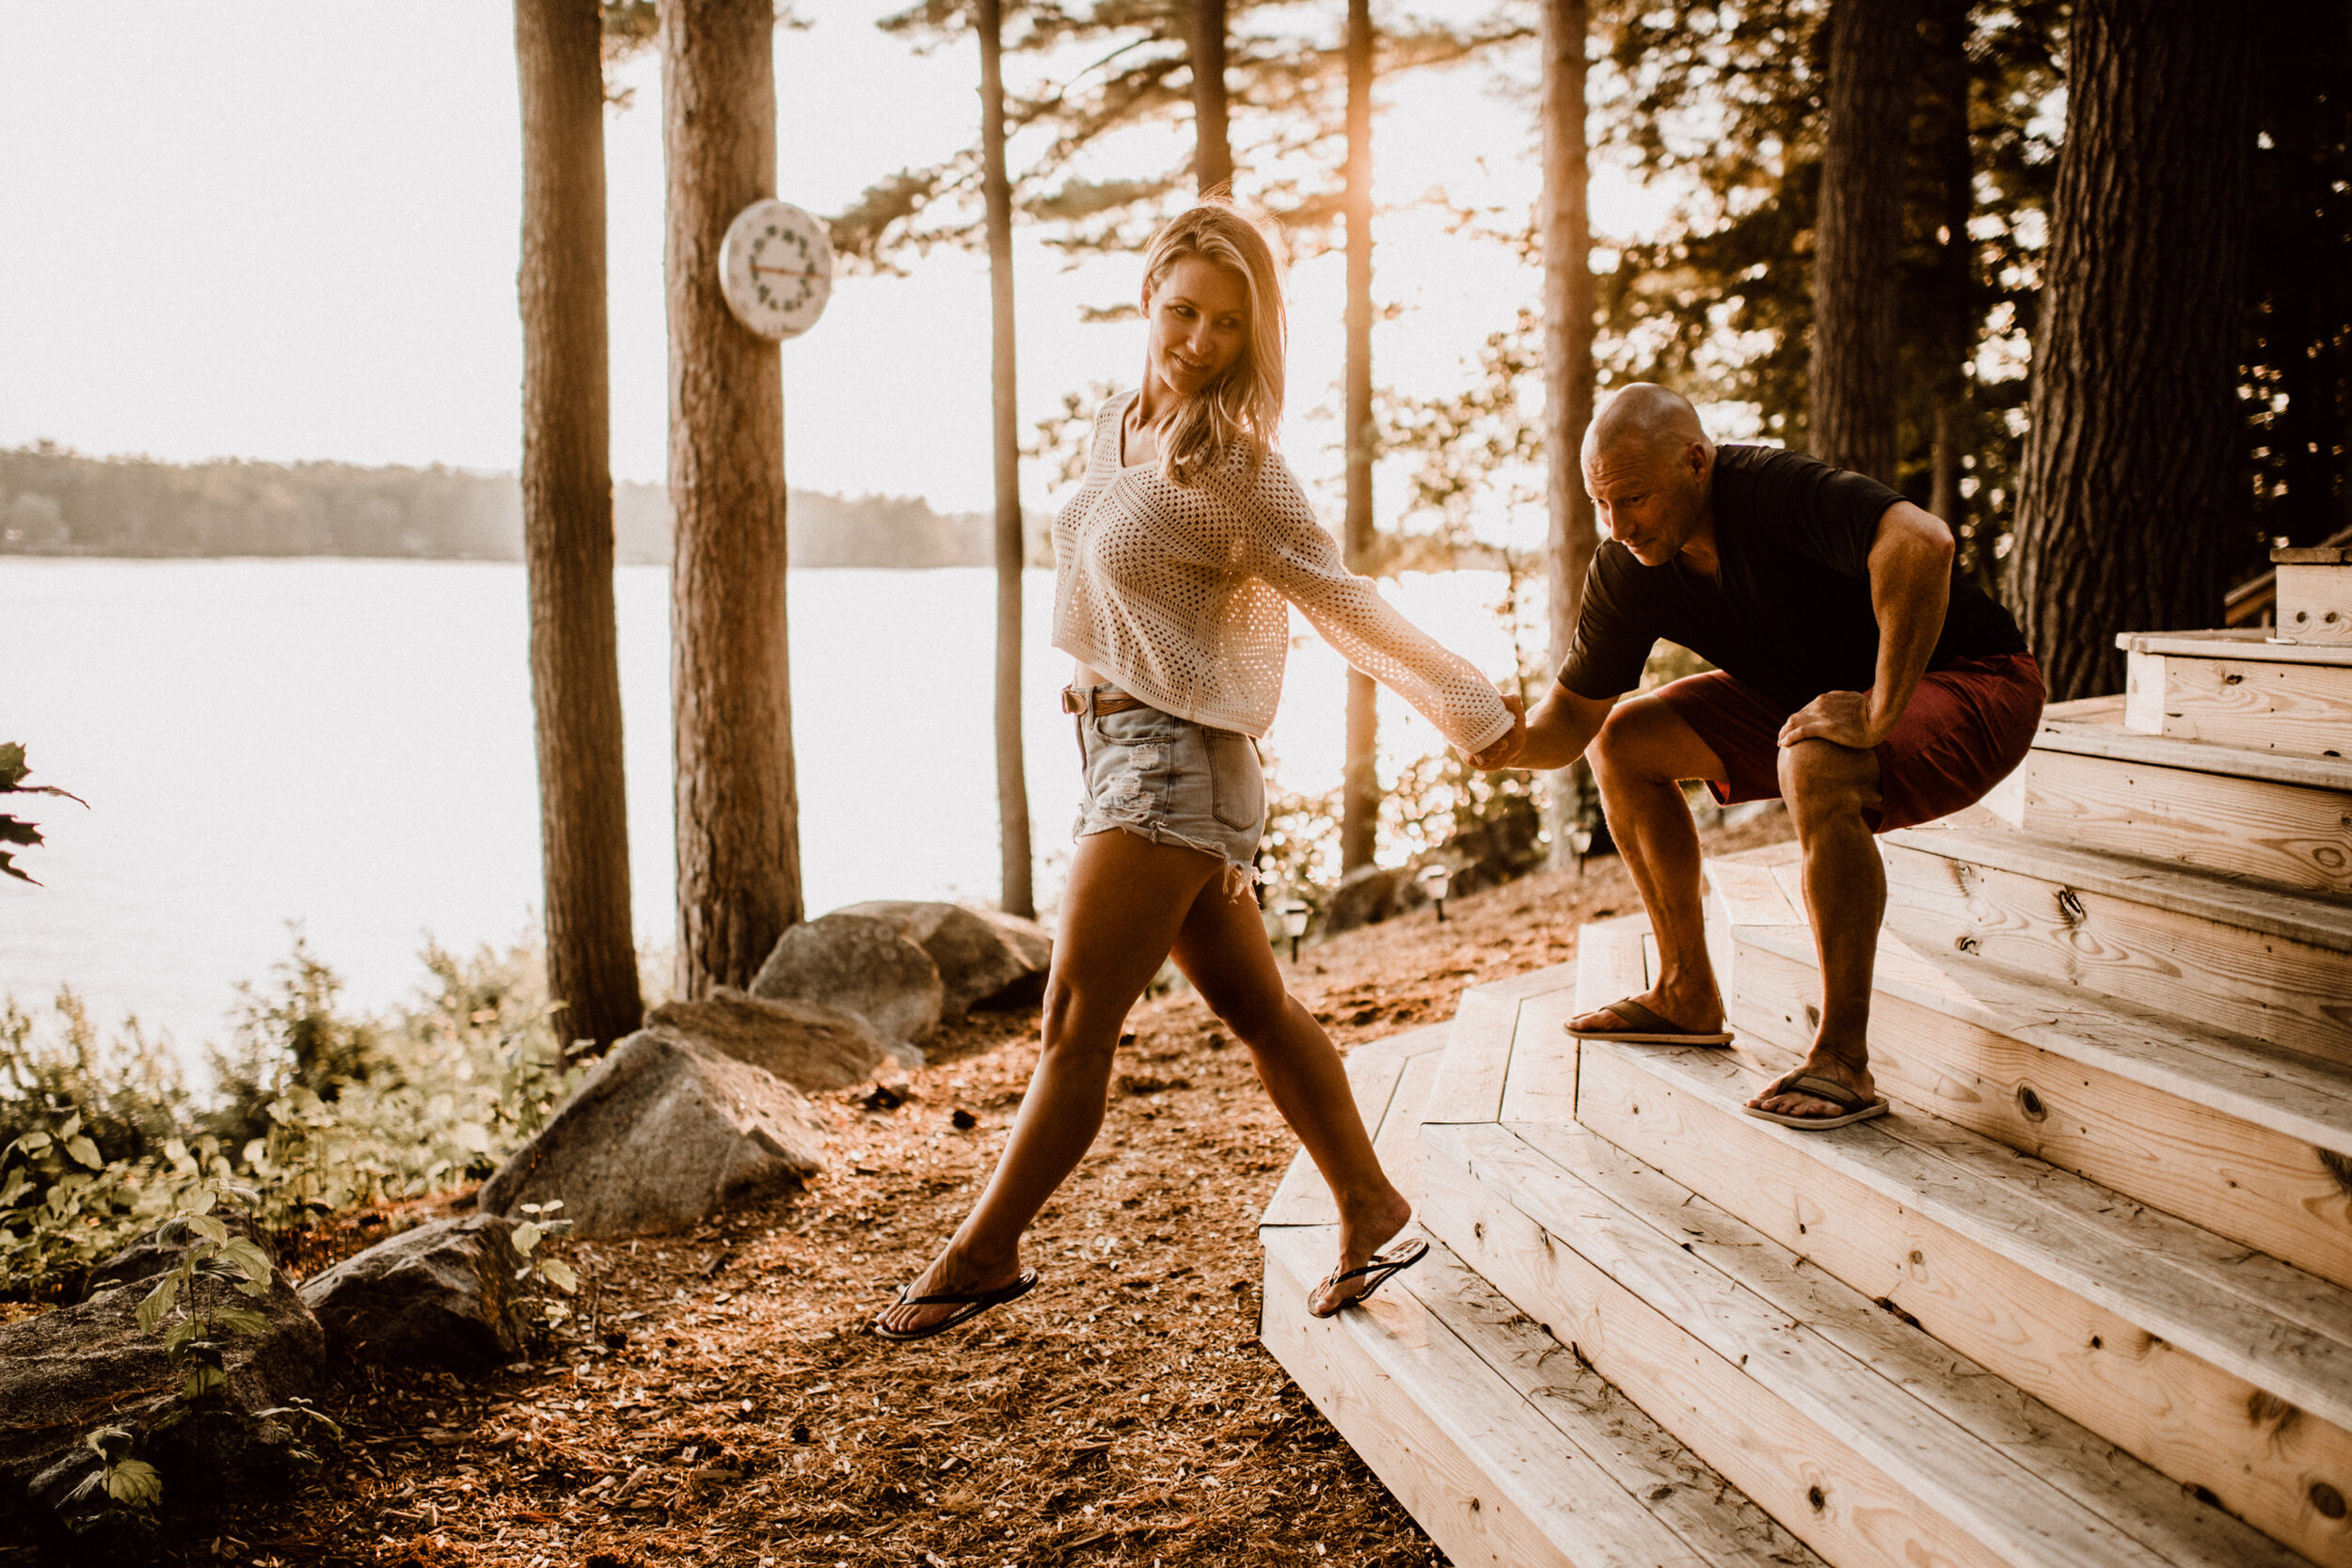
2085	1298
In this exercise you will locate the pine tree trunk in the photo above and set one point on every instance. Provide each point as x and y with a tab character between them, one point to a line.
1012	788
1951	157
567	523
1359	791
2132	506
1569	306
1212	147
738	869
1873	45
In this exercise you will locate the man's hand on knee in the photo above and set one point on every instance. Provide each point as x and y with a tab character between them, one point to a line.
1840	717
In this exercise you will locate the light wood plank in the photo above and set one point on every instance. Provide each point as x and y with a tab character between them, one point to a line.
1398	1139
1784	1415
1477	1060
2315	601
2065	1343
2233	643
1747	894
1542	1082
2253	702
1460	1452
1303	1197
1610	962
2263	984
2283	833
2102	733
2148	1506
2330	554
2230	1177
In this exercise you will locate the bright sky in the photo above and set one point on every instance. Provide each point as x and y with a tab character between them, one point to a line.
284	229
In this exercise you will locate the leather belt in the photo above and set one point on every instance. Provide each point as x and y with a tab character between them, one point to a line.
1074	701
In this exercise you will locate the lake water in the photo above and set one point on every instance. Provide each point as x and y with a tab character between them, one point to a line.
348	744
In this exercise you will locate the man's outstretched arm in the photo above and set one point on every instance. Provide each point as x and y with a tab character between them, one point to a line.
1911	587
1558	731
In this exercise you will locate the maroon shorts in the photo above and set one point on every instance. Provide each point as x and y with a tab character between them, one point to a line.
1966	730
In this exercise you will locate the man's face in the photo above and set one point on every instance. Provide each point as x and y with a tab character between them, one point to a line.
1650	502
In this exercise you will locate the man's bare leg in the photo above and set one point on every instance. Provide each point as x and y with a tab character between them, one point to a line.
1638	759
1829	787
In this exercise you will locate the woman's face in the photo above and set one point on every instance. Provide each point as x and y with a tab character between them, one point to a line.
1199	320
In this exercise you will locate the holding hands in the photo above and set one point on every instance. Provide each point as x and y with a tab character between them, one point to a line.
1506	748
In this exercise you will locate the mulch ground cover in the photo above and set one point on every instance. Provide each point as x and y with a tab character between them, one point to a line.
718	1399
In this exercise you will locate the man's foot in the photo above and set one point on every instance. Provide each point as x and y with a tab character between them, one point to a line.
950	1273
1364	1228
1812	1107
1694	1015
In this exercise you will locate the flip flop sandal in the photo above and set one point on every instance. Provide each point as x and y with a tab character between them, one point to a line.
1376	1273
1852	1107
968	1303
1645	1027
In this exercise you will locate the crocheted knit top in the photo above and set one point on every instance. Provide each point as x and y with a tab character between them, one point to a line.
1176	592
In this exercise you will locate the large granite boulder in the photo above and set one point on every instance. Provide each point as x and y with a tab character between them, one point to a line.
443	1293
863	964
985	957
807	1044
662	1133
67	1372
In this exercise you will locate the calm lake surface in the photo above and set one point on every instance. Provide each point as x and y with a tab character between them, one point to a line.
347	745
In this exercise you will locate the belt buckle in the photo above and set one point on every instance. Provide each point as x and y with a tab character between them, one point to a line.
1071	701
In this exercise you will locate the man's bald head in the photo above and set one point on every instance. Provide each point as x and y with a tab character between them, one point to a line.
1647	466
1642	421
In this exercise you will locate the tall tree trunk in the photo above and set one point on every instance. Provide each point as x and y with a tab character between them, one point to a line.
1951	306
567	522
1857	258
1569	307
1212	147
1359	791
738	858
1012	788
2131	507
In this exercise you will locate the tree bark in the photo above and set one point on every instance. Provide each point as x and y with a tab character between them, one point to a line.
2131	506
1359	791
738	872
1212	146
1012	788
1952	156
1873	45
567	523
1569	307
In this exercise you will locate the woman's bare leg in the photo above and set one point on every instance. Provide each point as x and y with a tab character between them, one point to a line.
1224	952
1126	899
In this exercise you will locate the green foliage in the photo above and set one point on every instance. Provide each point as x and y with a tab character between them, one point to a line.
313	1110
13	830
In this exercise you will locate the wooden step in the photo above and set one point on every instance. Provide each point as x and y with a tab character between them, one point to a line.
2315	594
2228	690
2271	815
2267	964
1493	1436
2223	1369
1390	1079
2239	1138
1869	1441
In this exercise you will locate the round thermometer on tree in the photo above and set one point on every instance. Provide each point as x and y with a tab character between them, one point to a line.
776	269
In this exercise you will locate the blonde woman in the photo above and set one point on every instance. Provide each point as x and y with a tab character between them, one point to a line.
1173	564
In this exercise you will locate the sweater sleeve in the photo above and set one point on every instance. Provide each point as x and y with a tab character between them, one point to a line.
1283	544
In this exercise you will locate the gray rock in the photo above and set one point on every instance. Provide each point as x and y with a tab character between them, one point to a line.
444	1294
807	1044
66	1372
662	1133
860	964
1366	896
985	956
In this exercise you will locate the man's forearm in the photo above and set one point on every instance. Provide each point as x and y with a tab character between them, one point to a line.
1911	587
1561	727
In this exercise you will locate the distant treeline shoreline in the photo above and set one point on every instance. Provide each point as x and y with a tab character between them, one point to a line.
57	502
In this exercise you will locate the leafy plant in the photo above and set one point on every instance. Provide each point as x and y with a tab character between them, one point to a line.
539	1226
13	830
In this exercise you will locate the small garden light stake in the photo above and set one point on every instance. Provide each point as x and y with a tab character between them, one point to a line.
1293	924
1436	881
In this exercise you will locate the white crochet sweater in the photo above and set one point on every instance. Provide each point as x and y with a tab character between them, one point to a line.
1176	593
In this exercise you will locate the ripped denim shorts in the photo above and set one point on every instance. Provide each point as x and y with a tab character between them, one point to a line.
1173	781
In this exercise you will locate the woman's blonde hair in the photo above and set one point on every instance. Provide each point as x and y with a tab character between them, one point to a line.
1243	407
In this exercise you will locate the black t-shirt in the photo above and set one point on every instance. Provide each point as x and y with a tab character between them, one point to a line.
1788	611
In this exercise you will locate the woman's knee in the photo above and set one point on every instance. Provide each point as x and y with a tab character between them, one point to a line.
1073	1030
1254	1013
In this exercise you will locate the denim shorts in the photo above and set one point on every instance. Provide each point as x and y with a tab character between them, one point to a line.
1173	781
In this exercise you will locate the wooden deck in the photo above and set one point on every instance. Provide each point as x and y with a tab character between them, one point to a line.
2085	1298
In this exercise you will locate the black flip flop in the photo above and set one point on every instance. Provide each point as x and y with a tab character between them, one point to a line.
1645	1027
1377	1271
969	1305
1852	1107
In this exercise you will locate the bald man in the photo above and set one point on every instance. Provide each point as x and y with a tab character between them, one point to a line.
1857	678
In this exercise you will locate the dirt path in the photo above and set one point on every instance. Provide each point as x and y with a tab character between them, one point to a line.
726	1405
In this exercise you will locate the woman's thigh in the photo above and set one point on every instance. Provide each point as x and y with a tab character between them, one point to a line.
1224	951
1125	902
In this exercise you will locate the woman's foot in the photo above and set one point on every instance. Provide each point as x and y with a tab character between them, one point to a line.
1365	1228
951	1273
1697	1015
